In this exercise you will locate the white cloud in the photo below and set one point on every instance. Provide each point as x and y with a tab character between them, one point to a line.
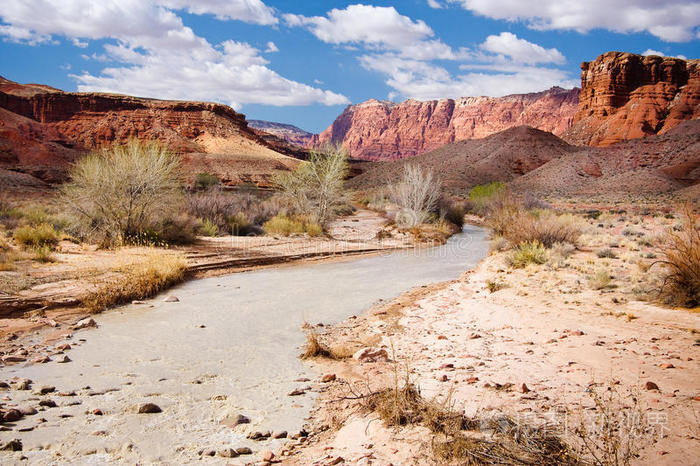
670	20
648	52
155	55
424	81
371	25
520	50
435	4
250	11
271	48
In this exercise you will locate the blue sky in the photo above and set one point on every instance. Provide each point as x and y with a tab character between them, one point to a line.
302	62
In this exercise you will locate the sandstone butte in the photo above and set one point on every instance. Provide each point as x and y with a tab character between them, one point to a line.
383	130
627	96
43	130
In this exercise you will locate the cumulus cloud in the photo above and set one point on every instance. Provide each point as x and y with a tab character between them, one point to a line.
377	28
435	4
271	48
670	20
648	52
250	11
155	55
520	50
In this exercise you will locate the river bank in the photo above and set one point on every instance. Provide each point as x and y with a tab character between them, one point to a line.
536	344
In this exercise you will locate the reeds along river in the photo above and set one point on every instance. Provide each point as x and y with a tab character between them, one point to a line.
229	346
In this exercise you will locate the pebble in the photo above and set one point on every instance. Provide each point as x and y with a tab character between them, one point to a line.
85	323
522	388
12	445
240	419
244	451
228	453
267	455
171	299
282	434
63	359
48	403
63	347
328	378
370	354
666	366
651	386
297	392
41	360
11	415
149	408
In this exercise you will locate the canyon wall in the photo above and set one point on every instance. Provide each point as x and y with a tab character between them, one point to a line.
627	96
382	130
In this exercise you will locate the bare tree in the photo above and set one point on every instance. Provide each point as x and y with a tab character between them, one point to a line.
118	192
316	187
417	195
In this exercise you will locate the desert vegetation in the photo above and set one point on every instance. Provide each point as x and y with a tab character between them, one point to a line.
416	194
315	188
125	191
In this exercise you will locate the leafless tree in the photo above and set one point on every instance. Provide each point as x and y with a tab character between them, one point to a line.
416	194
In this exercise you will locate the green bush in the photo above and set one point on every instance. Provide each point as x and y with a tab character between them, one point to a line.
42	235
209	228
531	252
483	196
205	181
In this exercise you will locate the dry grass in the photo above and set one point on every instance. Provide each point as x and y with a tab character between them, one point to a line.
600	279
531	252
680	248
283	225
314	348
42	235
140	280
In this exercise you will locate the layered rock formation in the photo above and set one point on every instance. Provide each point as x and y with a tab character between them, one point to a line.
43	129
626	96
381	130
289	133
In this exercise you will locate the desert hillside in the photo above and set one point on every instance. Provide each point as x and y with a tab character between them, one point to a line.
43	130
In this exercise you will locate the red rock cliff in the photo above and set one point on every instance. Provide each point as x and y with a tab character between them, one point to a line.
380	130
626	96
43	129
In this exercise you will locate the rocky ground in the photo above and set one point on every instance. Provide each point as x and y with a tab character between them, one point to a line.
533	343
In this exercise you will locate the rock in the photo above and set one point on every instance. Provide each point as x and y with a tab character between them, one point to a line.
626	96
11	415
254	435
85	323
371	355
337	460
48	403
27	410
471	380
149	408
297	392
208	452
227	453
12	445
474	336
522	388
63	359
13	358
280	434
63	347
267	455
651	386
22	384
666	366
46	389
171	299
328	378
244	451
97	412
41	360
239	419
443	378
577	333
381	130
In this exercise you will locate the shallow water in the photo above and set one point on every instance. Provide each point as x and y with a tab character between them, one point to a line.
234	336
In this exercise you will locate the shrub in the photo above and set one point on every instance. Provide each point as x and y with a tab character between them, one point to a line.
209	228
178	229
531	252
681	256
316	187
140	280
484	196
453	212
416	194
543	226
42	235
285	226
43	254
205	181
600	279
606	253
123	191
234	213
495	285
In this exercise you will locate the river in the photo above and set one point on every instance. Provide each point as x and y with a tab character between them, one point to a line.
229	346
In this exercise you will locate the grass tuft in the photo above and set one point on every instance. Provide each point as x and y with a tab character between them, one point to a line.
42	235
527	253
